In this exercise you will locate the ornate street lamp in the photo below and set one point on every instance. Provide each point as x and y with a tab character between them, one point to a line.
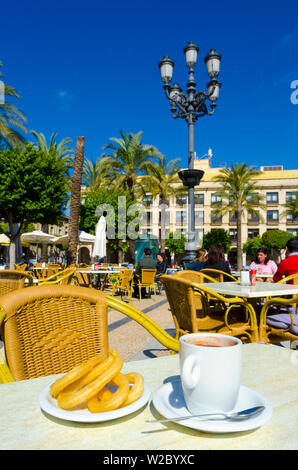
190	107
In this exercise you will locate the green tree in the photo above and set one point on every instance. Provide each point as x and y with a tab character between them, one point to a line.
129	159
275	240
12	120
238	195
33	188
64	152
162	181
217	236
95	174
176	242
252	245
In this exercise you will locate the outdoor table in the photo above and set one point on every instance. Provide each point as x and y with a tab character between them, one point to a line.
268	369
261	289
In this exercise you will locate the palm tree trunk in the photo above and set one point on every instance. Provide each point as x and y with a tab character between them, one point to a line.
44	247
75	202
239	234
163	226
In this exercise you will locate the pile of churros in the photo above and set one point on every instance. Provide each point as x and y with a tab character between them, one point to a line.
99	383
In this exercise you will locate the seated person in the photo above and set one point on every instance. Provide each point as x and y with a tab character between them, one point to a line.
262	263
145	263
279	317
198	262
162	265
216	260
289	265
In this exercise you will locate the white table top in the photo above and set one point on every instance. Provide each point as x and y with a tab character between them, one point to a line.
261	289
270	370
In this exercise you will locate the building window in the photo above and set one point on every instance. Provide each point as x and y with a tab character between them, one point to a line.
291	219
272	216
167	203
233	235
272	198
216	219
215	198
180	217
199	217
148	200
254	218
181	200
253	232
199	198
167	217
291	196
167	232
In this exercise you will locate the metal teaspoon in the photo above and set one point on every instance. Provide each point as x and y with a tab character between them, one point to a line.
233	415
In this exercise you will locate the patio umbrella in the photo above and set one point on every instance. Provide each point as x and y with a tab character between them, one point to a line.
37	236
84	237
100	248
4	240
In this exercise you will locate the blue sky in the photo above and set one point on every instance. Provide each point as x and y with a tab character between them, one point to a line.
91	69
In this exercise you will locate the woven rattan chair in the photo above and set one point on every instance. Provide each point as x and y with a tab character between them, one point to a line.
147	280
13	279
189	305
218	275
83	279
123	284
50	329
61	277
20	267
283	323
194	276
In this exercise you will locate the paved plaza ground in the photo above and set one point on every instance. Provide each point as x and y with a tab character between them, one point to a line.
131	340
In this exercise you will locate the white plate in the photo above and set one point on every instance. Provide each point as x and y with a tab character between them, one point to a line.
169	402
82	414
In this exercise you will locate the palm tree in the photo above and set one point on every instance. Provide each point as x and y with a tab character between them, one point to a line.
129	160
95	174
63	151
162	181
238	194
292	206
12	120
75	201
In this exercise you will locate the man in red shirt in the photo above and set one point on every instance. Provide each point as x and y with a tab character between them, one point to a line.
289	265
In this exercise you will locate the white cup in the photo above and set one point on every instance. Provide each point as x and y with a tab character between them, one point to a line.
210	375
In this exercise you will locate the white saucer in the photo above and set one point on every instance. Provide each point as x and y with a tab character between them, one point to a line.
169	402
82	414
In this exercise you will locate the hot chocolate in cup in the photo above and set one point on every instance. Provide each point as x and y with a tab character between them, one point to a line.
210	370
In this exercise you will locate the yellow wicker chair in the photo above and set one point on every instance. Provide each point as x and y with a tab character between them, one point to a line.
61	277
11	279
123	284
50	329
282	332
83	279
20	267
147	280
194	276
189	305
218	275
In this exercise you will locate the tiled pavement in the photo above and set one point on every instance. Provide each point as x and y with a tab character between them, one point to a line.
131	340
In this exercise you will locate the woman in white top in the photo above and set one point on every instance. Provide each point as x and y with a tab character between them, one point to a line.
263	264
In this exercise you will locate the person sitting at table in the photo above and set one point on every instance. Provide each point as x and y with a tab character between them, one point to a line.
145	263
216	260
279	317
289	265
198	262
263	264
162	265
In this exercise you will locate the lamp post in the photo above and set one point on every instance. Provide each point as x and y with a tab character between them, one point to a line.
190	107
